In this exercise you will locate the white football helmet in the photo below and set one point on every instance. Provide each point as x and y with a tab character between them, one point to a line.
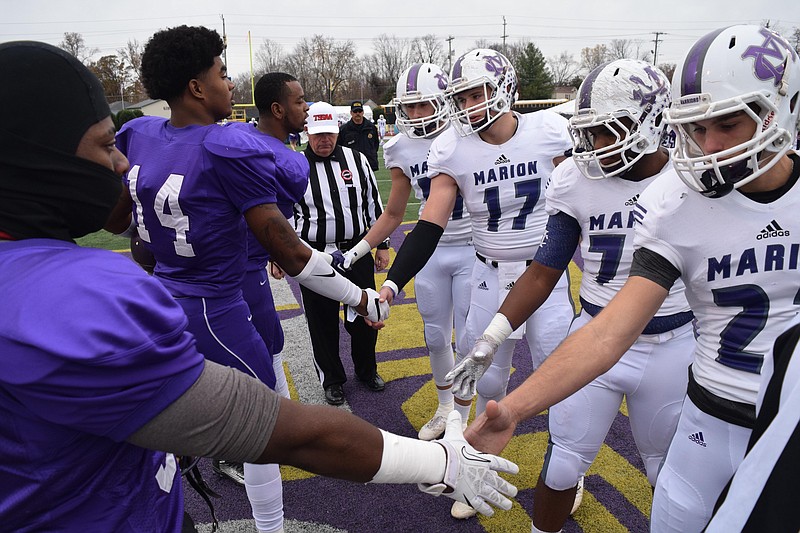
622	89
422	82
745	68
485	68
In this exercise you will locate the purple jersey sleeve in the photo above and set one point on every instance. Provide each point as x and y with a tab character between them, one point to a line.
190	187
92	349
290	181
112	341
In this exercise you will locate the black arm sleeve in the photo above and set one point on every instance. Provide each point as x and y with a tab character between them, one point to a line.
653	266
415	252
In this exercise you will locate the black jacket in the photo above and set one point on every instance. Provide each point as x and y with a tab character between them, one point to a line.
361	137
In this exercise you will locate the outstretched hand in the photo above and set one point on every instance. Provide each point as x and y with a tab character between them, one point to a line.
471	476
464	377
493	429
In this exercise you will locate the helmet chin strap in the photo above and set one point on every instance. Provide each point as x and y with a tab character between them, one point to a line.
731	174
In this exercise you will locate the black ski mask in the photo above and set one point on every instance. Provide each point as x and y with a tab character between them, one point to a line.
45	190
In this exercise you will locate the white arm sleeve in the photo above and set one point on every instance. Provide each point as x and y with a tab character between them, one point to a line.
323	279
407	460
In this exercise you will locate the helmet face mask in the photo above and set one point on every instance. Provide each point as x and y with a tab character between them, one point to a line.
628	98
743	71
420	83
490	71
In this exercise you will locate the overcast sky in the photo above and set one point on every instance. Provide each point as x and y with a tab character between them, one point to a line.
554	27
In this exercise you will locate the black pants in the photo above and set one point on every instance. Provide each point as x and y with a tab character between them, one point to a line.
322	316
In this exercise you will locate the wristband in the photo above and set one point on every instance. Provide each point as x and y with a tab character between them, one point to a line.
384	245
392	285
359	250
499	328
406	460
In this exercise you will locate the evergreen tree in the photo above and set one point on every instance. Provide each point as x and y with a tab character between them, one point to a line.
535	81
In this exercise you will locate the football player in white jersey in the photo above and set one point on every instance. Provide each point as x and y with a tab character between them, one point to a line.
617	133
726	223
499	161
443	285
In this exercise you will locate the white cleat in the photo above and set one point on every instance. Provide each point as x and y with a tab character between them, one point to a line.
578	497
435	427
462	511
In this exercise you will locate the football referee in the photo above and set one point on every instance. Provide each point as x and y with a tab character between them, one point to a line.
339	206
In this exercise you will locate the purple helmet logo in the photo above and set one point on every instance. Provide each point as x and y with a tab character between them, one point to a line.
762	67
441	81
495	64
647	93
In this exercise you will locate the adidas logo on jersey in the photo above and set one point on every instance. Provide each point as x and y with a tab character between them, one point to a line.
697	438
510	286
773	229
502	160
483	286
633	200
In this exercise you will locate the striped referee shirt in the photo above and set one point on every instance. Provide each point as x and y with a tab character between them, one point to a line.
341	201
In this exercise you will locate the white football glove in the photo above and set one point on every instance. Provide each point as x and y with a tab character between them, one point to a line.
466	374
376	311
471	476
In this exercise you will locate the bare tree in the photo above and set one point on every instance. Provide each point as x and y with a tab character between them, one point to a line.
243	88
627	48
563	68
323	67
131	56
668	69
392	56
74	44
486	43
593	57
270	57
115	76
429	49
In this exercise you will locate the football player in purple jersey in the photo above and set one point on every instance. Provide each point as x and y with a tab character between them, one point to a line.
100	369
191	181
282	109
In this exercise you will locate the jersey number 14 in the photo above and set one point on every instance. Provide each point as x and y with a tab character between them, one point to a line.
167	208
